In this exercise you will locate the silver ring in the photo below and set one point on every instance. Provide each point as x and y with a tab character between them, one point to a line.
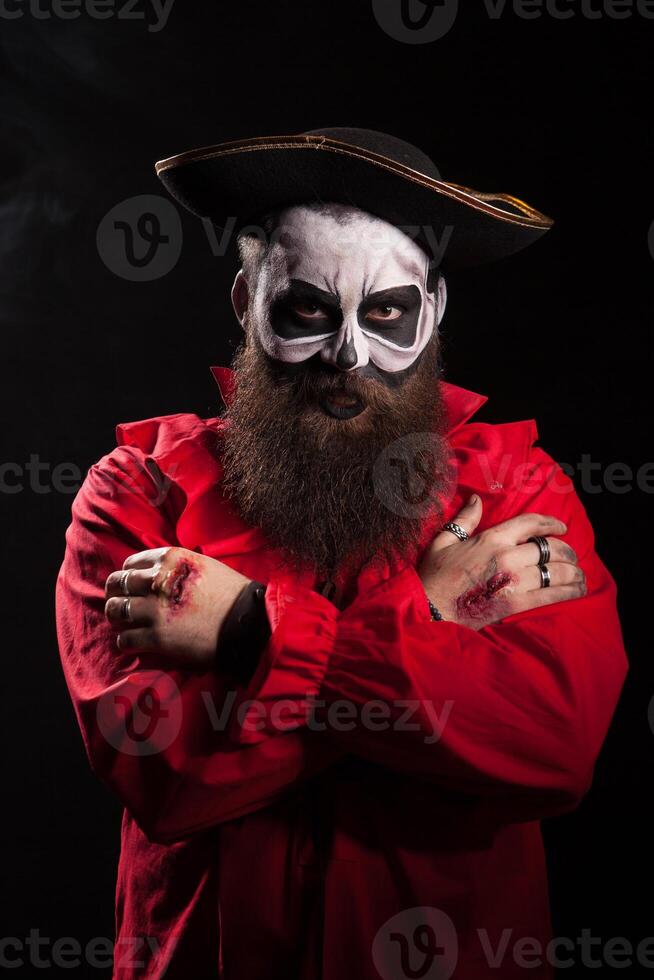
125	610
456	529
544	576
543	547
122	584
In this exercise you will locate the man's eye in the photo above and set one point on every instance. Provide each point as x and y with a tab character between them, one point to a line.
309	311
386	312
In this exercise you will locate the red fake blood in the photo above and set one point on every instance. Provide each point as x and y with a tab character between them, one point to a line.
179	578
476	602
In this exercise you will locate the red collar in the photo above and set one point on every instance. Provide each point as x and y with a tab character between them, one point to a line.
460	403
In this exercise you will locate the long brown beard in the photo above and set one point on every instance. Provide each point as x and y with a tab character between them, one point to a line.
319	488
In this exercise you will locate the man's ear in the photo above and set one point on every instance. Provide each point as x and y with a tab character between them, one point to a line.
240	296
441	299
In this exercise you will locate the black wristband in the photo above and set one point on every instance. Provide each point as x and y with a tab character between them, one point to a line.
244	633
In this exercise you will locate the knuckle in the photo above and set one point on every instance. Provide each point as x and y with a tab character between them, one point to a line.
501	560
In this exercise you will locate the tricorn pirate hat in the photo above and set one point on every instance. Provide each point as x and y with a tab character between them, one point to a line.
235	183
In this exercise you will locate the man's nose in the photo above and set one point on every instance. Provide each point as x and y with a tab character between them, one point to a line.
348	349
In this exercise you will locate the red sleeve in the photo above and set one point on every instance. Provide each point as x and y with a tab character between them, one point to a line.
160	738
516	712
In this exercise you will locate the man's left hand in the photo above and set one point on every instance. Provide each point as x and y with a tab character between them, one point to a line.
172	601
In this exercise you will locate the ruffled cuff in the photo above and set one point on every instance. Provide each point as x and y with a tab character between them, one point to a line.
403	594
283	689
359	670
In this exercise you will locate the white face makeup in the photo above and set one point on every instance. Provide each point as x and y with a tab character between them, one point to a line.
347	285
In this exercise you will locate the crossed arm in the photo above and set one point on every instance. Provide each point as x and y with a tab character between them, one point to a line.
514	711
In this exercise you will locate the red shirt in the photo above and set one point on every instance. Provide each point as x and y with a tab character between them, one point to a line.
257	846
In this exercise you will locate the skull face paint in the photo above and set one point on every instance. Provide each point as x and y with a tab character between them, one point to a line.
346	286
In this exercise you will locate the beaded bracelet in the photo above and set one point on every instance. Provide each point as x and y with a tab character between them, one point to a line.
435	615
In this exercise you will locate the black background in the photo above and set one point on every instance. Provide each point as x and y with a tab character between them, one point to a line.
557	112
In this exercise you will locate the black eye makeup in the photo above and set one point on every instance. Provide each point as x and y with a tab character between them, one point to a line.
392	313
305	310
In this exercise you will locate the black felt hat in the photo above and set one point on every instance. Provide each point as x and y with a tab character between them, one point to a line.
235	183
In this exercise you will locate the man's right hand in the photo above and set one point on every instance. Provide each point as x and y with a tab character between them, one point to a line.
495	574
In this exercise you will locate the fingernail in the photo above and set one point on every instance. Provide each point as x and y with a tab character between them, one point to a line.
473	499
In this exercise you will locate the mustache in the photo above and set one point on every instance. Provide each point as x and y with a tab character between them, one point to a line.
313	387
314	383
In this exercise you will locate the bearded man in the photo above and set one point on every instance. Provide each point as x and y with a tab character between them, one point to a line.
335	670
